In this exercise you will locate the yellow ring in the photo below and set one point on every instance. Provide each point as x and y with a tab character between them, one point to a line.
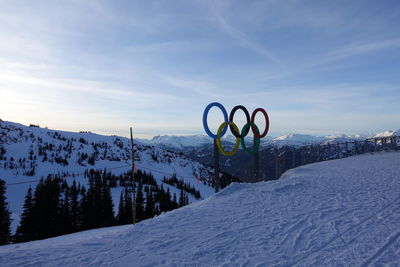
221	149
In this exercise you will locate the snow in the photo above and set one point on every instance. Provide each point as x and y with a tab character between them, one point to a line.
336	213
19	139
180	143
388	133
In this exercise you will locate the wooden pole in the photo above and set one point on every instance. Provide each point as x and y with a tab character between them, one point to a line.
216	166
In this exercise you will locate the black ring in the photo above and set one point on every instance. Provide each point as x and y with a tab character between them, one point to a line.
238	135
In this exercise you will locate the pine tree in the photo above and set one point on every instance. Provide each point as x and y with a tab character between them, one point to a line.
182	198
128	207
97	205
107	205
149	211
139	203
174	202
47	208
5	220
121	210
26	229
89	206
65	222
75	211
163	200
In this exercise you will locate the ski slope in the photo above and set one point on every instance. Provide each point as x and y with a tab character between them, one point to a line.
338	213
113	153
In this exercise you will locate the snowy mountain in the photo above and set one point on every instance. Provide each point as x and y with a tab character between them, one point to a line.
388	133
298	140
178	143
182	143
30	153
335	213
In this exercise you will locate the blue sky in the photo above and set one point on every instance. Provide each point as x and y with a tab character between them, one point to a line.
317	67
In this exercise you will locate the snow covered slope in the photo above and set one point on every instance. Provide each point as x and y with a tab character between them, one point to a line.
29	153
337	213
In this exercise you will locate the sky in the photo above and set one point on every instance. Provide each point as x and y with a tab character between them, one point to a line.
316	67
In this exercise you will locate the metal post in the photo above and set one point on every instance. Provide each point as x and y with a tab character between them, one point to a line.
318	153
134	219
216	166
256	157
347	148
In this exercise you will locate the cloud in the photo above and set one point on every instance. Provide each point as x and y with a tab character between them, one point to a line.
246	41
361	48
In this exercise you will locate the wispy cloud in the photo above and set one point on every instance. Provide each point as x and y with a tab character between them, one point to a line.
246	41
361	48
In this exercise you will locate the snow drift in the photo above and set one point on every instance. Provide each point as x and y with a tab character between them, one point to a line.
341	212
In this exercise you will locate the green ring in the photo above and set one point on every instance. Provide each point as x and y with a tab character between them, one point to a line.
256	144
219	133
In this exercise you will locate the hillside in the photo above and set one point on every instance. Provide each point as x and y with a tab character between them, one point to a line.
30	153
335	213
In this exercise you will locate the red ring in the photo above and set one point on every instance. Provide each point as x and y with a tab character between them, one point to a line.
253	117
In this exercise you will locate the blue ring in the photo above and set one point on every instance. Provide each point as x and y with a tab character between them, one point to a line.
205	114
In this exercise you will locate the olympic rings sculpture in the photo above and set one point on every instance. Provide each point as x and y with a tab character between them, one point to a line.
240	135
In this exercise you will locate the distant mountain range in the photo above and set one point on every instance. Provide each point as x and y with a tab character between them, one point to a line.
182	143
200	148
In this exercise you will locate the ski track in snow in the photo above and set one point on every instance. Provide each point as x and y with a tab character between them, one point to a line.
337	213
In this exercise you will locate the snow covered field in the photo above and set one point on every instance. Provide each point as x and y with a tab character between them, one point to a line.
337	213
